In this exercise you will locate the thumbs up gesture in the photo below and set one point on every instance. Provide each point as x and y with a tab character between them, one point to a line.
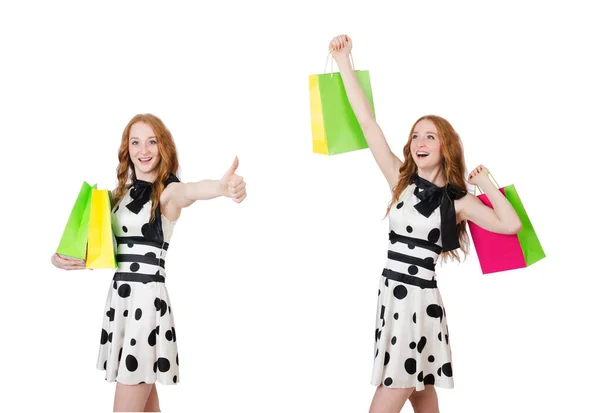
232	185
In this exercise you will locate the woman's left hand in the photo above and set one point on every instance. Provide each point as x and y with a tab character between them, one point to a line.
233	186
478	176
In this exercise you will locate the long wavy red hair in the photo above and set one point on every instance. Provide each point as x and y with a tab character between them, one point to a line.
453	170
168	163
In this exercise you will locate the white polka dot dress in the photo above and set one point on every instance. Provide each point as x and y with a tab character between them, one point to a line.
138	343
412	344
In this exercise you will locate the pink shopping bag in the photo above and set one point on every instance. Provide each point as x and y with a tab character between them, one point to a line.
496	252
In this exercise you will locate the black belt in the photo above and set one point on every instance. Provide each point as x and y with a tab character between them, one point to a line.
135	277
408	279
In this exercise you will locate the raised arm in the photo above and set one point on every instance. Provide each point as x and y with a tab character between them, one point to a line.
502	218
180	195
340	48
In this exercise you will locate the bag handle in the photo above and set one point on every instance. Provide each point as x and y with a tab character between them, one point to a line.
493	179
332	59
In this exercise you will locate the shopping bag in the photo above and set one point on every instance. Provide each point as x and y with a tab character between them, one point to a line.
503	252
101	249
73	242
334	126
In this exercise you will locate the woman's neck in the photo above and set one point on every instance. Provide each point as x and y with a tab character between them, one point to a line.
433	175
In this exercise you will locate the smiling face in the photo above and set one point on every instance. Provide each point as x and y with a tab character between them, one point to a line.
143	149
425	145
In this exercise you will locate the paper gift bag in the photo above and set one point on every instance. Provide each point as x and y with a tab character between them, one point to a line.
73	242
101	249
335	129
502	252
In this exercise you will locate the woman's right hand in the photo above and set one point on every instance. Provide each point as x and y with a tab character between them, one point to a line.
67	264
340	47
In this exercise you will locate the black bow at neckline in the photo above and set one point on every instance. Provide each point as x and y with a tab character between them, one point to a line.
140	193
432	197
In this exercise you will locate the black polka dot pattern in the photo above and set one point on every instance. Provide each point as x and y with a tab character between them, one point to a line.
434	311
412	345
413	270
111	314
124	290
104	337
132	344
431	359
429	380
400	291
421	345
410	365
388	381
386	360
163	365
131	363
447	369
161	306
409	229
434	235
152	338
393	340
395	316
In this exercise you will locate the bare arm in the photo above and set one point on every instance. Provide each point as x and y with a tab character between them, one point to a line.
387	161
502	218
180	195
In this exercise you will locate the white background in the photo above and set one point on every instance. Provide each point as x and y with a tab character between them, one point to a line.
275	299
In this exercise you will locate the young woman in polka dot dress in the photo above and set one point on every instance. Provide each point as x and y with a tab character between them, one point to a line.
138	344
427	216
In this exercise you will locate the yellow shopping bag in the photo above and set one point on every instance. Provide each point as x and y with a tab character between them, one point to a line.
101	248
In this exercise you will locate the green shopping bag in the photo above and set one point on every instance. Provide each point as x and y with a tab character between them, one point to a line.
530	244
73	242
504	252
334	126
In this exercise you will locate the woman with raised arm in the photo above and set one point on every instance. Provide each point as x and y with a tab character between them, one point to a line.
138	342
427	218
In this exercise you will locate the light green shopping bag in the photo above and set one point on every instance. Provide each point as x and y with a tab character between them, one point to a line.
530	244
335	129
73	242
